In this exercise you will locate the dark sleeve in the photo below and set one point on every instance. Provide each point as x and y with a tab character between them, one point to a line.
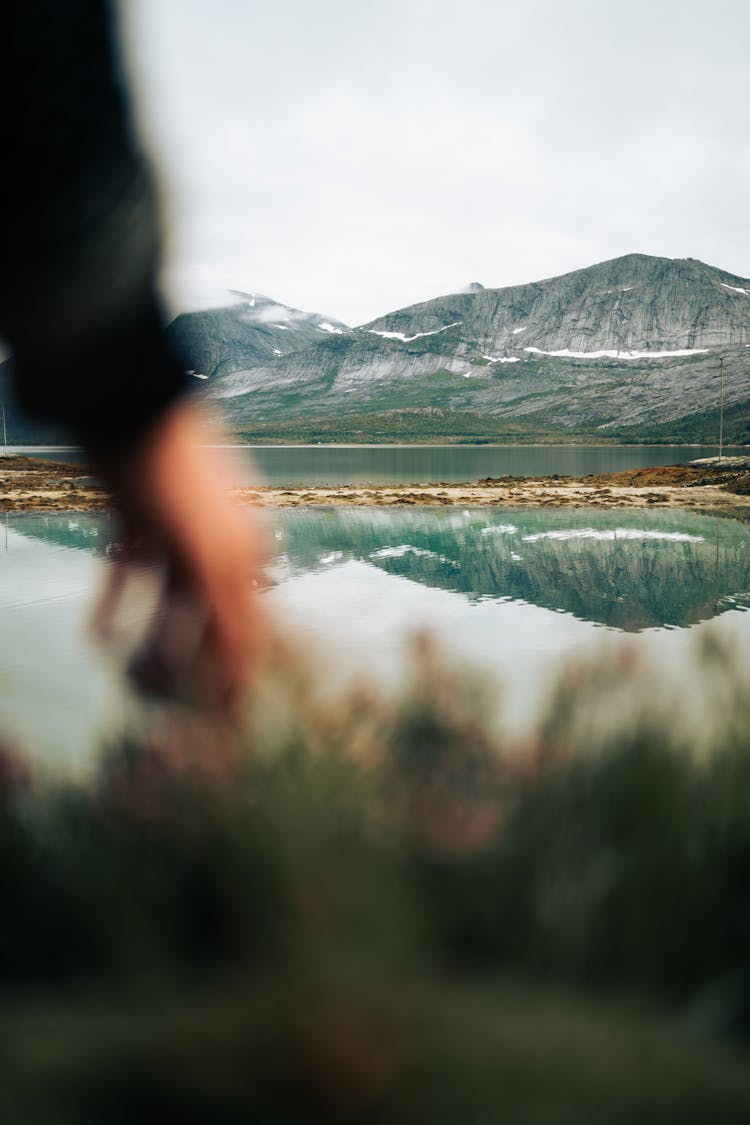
79	225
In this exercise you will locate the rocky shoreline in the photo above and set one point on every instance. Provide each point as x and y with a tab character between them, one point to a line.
32	484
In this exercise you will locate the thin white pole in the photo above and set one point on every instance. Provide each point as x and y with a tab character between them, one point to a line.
721	407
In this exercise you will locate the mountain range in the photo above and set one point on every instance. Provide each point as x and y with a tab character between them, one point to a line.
629	348
632	349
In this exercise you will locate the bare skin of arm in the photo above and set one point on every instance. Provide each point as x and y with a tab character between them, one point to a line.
173	496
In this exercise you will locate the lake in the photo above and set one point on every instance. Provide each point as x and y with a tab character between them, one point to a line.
517	593
384	464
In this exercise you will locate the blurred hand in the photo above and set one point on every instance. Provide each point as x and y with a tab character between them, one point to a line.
173	496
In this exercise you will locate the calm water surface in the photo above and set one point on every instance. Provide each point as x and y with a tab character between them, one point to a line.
384	464
514	592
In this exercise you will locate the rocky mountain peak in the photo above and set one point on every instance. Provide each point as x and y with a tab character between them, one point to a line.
627	342
633	303
251	329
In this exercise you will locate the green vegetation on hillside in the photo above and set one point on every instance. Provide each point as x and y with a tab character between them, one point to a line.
701	429
424	424
436	423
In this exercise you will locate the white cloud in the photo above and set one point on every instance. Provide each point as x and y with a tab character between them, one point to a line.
352	166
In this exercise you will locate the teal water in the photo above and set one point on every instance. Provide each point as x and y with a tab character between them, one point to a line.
516	592
626	570
431	464
408	464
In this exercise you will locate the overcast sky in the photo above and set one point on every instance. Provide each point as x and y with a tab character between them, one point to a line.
350	157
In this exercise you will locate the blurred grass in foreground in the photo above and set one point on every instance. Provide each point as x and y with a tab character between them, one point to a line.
381	912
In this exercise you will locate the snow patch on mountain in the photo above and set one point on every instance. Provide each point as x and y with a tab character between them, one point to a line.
408	339
566	353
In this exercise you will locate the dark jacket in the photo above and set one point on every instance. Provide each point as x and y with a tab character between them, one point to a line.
78	227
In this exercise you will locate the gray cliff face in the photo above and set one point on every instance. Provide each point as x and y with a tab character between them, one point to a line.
664	323
633	303
251	330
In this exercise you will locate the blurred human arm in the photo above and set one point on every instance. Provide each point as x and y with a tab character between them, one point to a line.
173	490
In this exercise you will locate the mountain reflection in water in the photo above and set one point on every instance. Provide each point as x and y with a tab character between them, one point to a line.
516	593
629	570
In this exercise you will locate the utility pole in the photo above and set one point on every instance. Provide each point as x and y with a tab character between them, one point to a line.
5	432
721	406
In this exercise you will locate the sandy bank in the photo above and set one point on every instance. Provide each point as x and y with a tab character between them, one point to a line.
27	484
